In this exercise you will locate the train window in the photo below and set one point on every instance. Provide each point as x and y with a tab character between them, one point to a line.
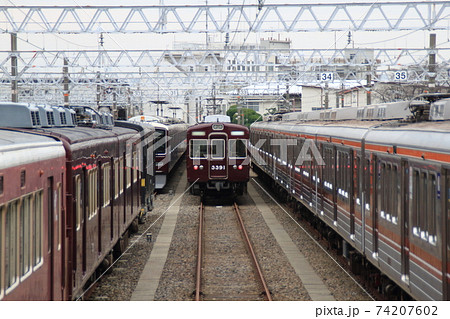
368	182
58	214
128	170
423	203
135	167
1	185
415	201
78	202
160	142
395	193
25	230
432	209
93	192
11	244
343	171
238	148
381	186
37	231
218	149
198	149
121	181
106	172
116	178
357	180
425	207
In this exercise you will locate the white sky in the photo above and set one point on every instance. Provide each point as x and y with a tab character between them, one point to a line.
308	40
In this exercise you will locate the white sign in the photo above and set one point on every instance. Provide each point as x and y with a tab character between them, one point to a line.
401	75
326	76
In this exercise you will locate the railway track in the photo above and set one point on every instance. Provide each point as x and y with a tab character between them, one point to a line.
227	267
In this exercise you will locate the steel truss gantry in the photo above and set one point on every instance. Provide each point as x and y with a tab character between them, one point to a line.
192	66
146	73
378	16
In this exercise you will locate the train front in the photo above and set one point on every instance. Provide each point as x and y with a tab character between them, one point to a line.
218	158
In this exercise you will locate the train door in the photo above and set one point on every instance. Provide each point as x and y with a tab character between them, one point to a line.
218	164
404	219
353	173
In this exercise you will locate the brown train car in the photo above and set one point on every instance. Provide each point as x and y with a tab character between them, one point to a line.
218	158
32	219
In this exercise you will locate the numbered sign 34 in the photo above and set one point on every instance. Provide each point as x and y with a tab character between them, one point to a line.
326	77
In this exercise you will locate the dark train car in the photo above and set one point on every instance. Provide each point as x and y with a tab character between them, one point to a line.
143	145
96	198
32	202
218	157
103	196
381	184
170	145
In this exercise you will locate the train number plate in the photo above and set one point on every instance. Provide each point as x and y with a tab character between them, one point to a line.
217	167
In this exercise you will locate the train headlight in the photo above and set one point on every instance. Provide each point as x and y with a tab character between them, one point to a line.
201	166
235	166
240	167
195	167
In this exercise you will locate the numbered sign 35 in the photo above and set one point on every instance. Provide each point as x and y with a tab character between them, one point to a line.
401	75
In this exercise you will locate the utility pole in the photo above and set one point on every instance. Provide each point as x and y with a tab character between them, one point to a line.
432	63
66	82
14	89
326	102
98	90
369	84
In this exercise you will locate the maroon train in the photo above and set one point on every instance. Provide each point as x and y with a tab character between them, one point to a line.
217	157
68	198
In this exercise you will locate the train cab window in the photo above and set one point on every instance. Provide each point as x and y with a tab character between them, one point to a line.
25	230
160	142
78	202
198	149
238	148
217	149
37	228
11	248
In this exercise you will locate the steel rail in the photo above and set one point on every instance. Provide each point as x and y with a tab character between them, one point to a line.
252	253
199	254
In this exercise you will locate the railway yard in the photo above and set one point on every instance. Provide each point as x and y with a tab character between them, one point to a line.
296	265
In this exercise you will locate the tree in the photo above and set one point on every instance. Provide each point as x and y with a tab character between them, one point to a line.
250	116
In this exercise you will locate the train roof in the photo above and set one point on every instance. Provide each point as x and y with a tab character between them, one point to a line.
16	146
210	126
81	134
426	135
